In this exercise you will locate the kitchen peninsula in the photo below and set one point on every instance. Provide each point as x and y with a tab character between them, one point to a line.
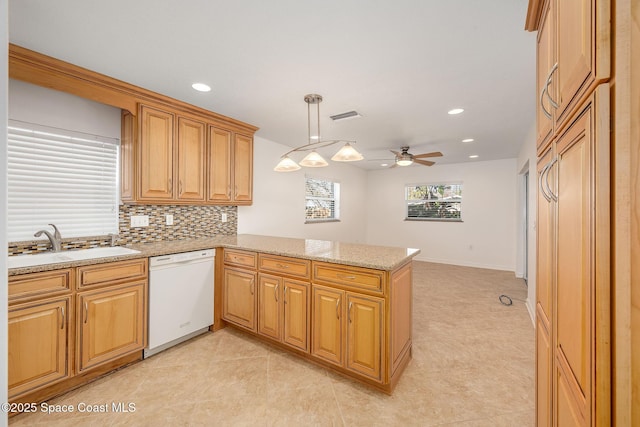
344	306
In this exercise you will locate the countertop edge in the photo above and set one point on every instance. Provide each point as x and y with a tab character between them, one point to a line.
165	248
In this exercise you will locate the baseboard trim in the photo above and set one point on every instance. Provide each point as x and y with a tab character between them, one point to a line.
466	264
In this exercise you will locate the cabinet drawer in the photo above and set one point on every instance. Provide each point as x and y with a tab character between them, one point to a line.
352	277
241	258
99	274
38	284
283	265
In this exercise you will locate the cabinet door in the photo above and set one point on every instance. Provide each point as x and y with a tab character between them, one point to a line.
296	314
191	159
545	57
238	298
365	335
573	291
545	227
219	165
38	345
327	327
243	169
269	313
544	370
111	323
156	154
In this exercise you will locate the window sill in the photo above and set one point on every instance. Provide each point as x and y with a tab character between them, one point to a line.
317	221
434	219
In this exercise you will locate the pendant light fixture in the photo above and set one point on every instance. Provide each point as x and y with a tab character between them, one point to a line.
314	160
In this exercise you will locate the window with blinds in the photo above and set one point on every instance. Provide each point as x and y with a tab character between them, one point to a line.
322	200
434	202
60	177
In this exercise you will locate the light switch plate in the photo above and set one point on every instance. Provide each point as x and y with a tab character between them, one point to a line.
224	217
169	219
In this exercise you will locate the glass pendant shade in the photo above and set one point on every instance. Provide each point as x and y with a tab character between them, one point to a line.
313	160
347	154
286	165
404	162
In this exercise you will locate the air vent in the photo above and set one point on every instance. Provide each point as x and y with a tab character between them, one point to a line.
347	115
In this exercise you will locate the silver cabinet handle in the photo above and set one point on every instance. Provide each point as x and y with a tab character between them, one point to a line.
252	286
349	312
544	110
286	288
338	308
554	104
229	191
275	292
170	184
86	312
63	320
180	185
540	185
546	180
282	265
343	276
235	194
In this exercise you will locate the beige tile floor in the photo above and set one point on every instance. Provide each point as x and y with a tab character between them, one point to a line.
473	365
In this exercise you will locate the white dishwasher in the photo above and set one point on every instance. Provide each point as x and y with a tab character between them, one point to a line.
180	298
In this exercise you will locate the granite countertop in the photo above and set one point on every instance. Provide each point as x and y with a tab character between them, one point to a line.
359	255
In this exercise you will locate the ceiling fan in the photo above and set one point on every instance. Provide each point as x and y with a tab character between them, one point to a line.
405	158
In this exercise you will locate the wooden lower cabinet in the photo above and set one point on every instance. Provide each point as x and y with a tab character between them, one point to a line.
356	326
327	326
544	370
110	323
38	344
365	332
239	299
283	307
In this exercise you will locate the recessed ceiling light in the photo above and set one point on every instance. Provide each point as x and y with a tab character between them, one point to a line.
201	87
456	111
468	140
384	164
473	156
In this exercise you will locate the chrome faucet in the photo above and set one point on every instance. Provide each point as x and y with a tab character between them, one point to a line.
55	239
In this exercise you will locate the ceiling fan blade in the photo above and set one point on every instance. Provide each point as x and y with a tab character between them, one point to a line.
393	166
424	162
422	156
395	152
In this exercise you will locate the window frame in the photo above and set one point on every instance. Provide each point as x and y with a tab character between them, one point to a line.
438	200
336	199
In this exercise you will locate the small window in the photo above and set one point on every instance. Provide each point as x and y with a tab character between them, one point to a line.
434	202
61	177
322	200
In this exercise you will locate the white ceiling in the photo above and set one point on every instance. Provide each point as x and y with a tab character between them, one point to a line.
402	64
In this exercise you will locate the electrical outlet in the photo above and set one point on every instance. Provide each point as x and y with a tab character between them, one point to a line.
169	219
139	220
224	217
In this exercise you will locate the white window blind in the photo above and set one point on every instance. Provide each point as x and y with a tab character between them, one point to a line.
322	200
61	177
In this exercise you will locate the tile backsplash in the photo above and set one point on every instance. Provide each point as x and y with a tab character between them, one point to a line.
189	222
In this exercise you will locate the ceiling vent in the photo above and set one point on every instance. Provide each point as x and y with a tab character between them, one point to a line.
344	116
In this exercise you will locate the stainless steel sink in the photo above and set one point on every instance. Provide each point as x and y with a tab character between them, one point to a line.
67	256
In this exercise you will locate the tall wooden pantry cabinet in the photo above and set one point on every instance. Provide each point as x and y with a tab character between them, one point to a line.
573	351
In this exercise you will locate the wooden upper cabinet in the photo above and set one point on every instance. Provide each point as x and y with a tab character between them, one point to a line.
545	52
191	159
219	163
243	169
156	154
573	58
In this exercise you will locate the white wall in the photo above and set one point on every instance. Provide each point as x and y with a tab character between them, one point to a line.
486	237
4	351
527	160
279	199
39	105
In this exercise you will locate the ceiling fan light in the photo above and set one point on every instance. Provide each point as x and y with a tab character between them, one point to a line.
403	162
286	165
313	160
347	154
